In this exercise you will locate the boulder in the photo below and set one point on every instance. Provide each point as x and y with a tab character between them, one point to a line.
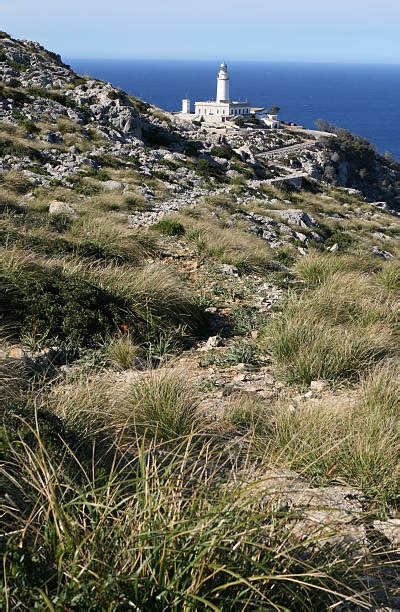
62	208
390	529
381	253
298	217
53	137
113	186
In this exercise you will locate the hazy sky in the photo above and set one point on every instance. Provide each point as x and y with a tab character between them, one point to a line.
320	30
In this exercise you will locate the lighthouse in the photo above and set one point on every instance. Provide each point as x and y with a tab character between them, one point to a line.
223	84
223	108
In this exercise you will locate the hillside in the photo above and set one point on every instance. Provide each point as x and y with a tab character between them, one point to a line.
199	370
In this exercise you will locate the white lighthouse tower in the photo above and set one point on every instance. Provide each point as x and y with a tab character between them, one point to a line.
223	84
223	108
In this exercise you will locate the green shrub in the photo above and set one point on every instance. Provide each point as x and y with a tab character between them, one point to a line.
98	174
224	151
169	227
46	302
84	306
15	83
206	169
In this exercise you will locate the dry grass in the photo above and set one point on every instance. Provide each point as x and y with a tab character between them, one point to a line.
121	351
155	531
316	268
228	245
334	332
161	404
347	438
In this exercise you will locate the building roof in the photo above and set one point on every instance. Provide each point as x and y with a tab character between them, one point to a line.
215	103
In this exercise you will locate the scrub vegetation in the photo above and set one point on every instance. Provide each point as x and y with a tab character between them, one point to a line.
200	411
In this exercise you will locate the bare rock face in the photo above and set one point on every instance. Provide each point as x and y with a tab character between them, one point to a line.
110	108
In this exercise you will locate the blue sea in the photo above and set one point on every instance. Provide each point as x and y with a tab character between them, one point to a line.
362	98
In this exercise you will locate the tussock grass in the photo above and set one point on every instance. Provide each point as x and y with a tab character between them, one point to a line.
389	276
316	268
110	201
157	404
8	201
154	532
334	332
229	246
15	181
122	351
163	405
356	442
108	241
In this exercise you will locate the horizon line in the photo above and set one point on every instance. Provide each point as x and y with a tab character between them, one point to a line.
233	60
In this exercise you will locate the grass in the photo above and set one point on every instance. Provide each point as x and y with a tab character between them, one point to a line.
125	483
156	404
316	268
332	333
340	439
169	227
229	246
122	351
154	531
389	276
163	405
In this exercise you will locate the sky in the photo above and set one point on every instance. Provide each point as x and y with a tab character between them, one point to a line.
285	30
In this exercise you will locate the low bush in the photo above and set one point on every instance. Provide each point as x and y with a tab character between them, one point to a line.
169	227
46	302
207	169
224	151
82	307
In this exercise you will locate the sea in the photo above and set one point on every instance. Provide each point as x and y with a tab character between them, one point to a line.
364	99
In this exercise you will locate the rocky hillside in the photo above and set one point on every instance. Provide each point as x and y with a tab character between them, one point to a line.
198	359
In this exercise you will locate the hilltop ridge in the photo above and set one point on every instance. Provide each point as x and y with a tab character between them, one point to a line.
198	355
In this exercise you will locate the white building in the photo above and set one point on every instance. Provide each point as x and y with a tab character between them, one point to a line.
222	107
269	118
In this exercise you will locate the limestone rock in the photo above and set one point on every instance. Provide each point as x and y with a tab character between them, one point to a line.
381	253
229	270
390	529
112	186
318	385
62	208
